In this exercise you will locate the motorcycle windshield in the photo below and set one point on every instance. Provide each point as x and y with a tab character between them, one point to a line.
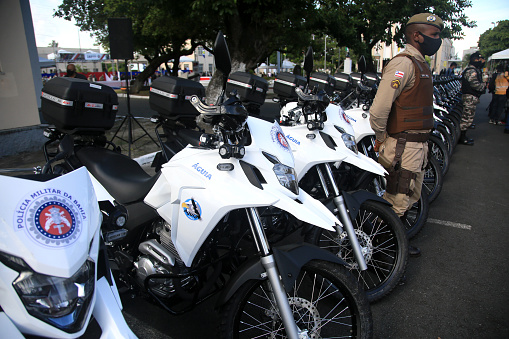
49	224
270	138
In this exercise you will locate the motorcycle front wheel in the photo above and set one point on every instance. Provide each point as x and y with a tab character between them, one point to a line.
326	302
384	244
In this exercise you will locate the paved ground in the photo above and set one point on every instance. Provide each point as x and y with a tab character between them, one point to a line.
458	288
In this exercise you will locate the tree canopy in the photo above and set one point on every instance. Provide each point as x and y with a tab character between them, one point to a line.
494	39
256	28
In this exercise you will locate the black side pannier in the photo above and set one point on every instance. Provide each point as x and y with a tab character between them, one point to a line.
356	78
76	105
343	81
285	84
322	81
371	79
170	96
250	88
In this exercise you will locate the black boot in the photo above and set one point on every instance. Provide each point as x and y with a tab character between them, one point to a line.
465	140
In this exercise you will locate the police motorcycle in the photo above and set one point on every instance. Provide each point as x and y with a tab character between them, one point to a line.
54	272
195	230
372	239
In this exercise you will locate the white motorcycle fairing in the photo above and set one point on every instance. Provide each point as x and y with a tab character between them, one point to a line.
313	151
359	119
54	226
193	195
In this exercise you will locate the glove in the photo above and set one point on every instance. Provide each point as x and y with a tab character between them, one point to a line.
377	145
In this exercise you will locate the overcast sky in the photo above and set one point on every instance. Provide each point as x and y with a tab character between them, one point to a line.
48	28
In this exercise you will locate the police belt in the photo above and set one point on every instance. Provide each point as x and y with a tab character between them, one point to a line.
411	137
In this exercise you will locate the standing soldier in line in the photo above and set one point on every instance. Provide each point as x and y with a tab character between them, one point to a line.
402	114
472	87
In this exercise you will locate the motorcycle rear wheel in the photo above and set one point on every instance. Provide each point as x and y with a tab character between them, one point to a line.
433	179
439	152
415	218
325	300
384	243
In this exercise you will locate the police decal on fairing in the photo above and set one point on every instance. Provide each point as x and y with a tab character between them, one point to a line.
51	217
192	209
278	137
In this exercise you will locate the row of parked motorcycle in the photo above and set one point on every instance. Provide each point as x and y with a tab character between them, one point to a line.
283	223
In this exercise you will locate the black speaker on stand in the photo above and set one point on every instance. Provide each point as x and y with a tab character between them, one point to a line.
122	47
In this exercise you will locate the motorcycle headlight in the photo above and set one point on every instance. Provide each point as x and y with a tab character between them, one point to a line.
287	178
60	302
350	143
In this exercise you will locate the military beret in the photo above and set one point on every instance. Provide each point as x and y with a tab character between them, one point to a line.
476	55
427	19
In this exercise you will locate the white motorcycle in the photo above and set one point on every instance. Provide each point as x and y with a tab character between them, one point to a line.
195	229
330	168
54	274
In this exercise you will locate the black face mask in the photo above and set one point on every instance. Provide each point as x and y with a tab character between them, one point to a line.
70	73
430	46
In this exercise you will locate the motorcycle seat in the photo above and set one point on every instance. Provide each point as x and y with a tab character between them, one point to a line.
120	175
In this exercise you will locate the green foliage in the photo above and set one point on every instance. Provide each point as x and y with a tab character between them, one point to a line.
494	39
361	24
255	29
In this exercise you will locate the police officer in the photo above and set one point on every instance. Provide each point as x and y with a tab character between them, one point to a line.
402	113
472	87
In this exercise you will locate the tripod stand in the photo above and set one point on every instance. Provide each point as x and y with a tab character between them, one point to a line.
130	119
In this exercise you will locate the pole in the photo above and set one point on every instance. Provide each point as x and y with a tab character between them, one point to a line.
325	52
278	67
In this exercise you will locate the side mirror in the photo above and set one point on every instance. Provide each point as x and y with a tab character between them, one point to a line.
362	64
222	55
308	61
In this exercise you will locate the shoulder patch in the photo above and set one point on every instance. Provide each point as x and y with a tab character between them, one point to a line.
399	74
395	84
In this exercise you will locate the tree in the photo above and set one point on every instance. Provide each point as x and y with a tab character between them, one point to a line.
360	25
494	39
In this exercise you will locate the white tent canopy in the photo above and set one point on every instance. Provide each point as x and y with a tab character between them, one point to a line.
500	55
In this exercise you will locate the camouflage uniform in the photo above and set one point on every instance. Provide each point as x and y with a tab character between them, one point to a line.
473	76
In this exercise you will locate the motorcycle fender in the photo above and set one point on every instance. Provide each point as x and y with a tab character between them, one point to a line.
365	163
108	313
9	330
289	260
354	200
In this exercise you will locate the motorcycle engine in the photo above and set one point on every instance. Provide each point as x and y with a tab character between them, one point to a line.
159	257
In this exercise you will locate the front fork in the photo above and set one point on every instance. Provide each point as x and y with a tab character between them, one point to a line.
339	201
269	265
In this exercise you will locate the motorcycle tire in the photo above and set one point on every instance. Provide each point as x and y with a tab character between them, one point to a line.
415	218
439	152
433	180
326	300
447	139
454	127
383	239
